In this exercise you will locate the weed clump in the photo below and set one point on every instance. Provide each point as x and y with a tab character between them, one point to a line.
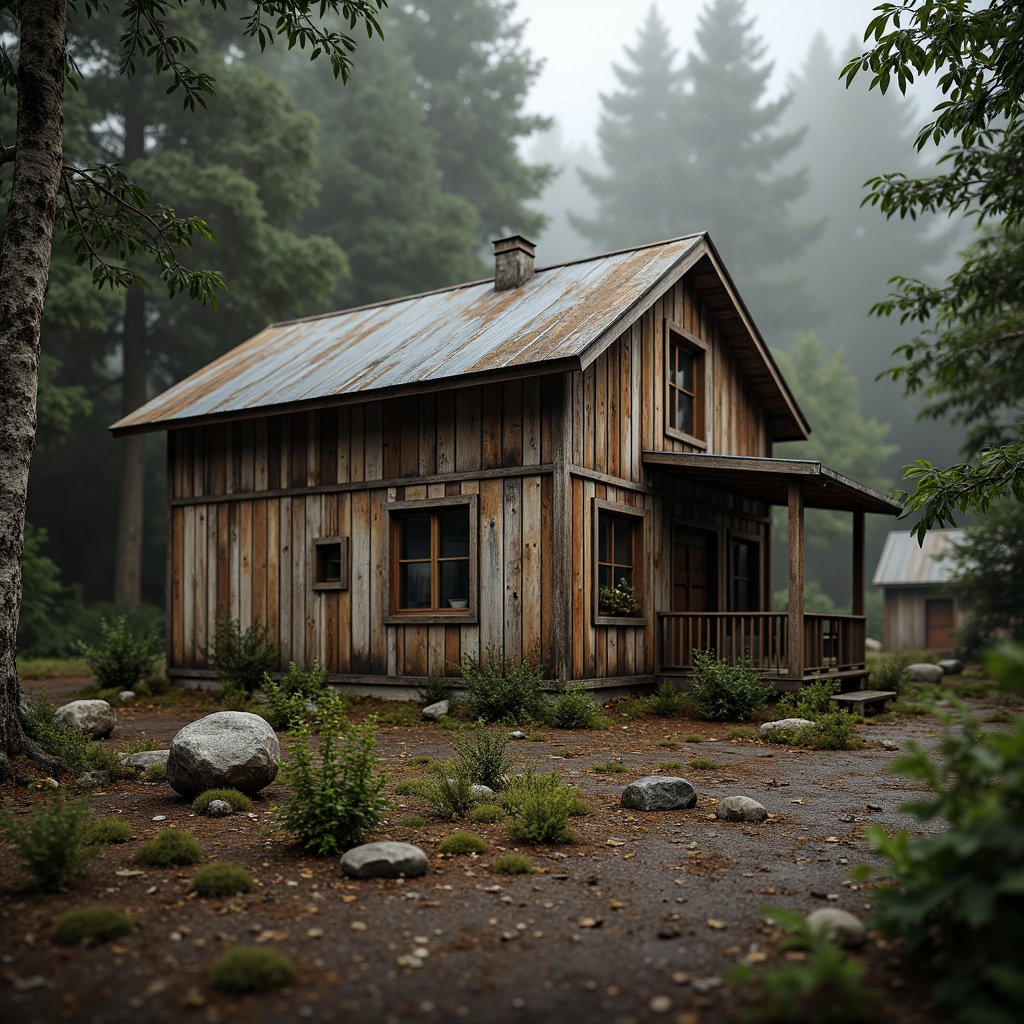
450	792
460	843
240	658
726	693
296	697
121	659
486	814
500	690
221	879
155	773
52	839
574	708
64	742
108	829
539	807
411	821
97	923
704	764
667	700
436	689
170	848
238	801
484	760
513	864
247	969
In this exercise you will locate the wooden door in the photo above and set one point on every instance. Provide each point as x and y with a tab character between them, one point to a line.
693	570
938	623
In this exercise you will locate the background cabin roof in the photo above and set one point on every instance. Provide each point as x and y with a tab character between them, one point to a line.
904	563
561	319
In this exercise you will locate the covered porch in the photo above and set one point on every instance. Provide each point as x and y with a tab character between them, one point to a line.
793	646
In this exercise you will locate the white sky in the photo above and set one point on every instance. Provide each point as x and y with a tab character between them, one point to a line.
581	39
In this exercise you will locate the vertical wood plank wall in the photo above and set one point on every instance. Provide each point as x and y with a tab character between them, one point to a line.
905	616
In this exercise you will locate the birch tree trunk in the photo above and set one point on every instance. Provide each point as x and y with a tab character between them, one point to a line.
24	272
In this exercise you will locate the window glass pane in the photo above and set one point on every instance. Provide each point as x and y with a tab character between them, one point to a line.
603	554
415	537
684	413
332	563
743	560
455	584
623	542
623	575
685	371
604	576
414	585
455	534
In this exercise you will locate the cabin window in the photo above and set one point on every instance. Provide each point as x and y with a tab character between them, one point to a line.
433	559
618	562
685	386
330	563
745	575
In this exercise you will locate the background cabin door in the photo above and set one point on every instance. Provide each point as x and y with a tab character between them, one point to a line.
938	623
694	570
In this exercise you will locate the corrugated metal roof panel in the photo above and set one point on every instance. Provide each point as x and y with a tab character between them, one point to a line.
906	563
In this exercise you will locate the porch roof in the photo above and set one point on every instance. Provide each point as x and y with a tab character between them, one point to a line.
768	480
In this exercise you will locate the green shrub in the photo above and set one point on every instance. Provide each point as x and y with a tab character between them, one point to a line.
667	700
108	829
694	738
64	742
825	985
501	690
484	759
726	693
411	821
485	814
959	898
742	732
573	708
121	658
668	744
670	766
170	848
155	773
295	697
450	793
609	767
239	801
101	758
91	924
241	659
833	726
539	807
156	684
436	689
247	969
413	787
337	795
891	674
632	709
704	764
459	843
513	864
221	879
52	838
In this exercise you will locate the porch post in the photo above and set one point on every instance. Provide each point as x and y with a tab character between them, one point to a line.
795	636
858	562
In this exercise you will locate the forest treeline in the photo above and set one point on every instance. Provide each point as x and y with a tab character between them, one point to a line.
323	195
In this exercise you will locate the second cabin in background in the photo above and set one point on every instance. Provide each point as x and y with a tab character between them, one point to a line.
574	461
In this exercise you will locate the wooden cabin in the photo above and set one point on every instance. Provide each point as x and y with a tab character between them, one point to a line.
393	487
920	612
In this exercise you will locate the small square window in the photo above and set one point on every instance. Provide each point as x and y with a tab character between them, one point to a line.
330	563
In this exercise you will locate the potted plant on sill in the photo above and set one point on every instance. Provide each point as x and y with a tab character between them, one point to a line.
618	600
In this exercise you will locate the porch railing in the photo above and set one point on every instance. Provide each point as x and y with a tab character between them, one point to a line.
832	643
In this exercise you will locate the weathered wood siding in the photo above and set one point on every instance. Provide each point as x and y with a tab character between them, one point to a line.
905	616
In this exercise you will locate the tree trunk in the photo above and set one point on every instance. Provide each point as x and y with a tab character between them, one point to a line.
131	502
24	272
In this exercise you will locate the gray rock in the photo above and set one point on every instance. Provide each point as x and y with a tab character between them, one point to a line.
126	696
95	718
889	745
951	666
435	712
95	779
740	808
518	734
838	926
782	725
218	809
482	794
226	750
144	758
384	860
925	673
659	793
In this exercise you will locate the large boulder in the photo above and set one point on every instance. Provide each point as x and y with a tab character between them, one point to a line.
95	718
782	725
923	673
384	860
659	793
226	750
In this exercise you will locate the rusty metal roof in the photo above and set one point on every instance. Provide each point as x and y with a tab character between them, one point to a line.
559	319
905	563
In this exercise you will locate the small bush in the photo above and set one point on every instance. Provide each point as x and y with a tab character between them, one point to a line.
485	814
52	839
670	766
704	764
337	795
155	773
694	738
459	843
241	659
501	690
450	794
156	684
539	807
239	801
668	744
411	821
92	924
609	767
833	726
413	787
513	864
667	700
891	674
101	758
742	732
632	709
121	659
570	752
726	693
574	708
221	880
436	689
170	848
64	742
420	761
295	697
108	829
247	969
484	759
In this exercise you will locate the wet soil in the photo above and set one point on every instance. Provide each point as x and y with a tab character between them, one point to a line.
639	920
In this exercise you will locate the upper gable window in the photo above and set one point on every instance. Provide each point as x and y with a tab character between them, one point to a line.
685	386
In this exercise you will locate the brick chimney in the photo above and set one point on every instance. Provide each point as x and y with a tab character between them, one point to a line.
513	262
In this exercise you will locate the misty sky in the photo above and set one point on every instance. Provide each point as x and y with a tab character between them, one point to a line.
580	39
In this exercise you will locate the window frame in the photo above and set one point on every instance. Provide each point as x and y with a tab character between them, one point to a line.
638	518
394	511
738	537
319	544
677	336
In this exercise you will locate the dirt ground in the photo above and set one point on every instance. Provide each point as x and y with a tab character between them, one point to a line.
639	920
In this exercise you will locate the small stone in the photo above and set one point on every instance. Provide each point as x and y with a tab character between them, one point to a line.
435	712
660	1004
218	809
740	808
889	745
659	793
837	926
384	860
518	734
126	696
874	807
923	673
